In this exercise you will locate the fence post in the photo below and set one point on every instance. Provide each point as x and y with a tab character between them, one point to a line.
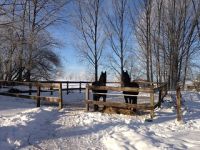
51	88
67	87
80	87
152	104
87	95
166	89
30	88
38	96
178	103
160	97
60	96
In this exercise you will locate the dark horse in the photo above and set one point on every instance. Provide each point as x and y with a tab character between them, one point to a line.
126	82
101	82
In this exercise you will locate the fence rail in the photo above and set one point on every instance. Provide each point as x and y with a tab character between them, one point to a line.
37	97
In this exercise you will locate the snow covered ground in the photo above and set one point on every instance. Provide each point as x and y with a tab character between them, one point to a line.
22	126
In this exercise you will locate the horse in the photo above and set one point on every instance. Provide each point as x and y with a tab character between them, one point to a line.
126	82
101	82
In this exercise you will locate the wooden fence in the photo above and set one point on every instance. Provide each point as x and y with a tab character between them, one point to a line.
161	88
37	97
79	85
195	86
44	86
61	86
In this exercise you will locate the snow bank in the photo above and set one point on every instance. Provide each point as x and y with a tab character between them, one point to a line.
22	126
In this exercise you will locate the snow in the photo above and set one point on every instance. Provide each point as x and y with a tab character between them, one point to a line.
23	126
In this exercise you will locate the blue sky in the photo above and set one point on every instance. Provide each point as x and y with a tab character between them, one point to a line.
70	61
65	33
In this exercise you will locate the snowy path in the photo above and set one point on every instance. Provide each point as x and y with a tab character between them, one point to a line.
22	126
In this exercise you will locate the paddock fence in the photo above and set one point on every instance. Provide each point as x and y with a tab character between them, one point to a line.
33	90
148	89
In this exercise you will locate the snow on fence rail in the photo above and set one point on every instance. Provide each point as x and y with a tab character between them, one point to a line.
161	88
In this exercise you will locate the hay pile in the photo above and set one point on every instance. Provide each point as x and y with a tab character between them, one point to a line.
113	110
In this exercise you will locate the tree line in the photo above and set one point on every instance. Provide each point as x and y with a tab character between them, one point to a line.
167	33
154	39
26	45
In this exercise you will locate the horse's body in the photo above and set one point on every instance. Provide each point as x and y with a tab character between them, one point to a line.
126	82
101	82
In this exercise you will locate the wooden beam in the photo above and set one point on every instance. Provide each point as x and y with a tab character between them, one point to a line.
87	96
152	104
36	84
128	89
65	82
51	89
80	87
178	103
30	89
60	96
119	94
67	88
49	99
121	105
38	96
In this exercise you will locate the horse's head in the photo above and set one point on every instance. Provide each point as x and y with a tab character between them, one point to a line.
102	78
125	78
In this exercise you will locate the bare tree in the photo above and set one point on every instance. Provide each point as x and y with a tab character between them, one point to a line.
118	32
144	35
181	26
89	25
28	22
172	36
